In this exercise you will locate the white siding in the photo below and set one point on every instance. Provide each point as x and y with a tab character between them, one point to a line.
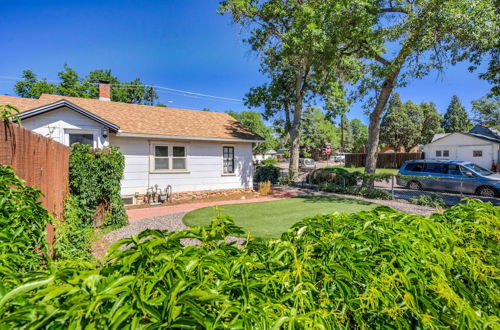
461	147
204	167
57	123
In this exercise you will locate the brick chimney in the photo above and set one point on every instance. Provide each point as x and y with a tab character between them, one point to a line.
104	91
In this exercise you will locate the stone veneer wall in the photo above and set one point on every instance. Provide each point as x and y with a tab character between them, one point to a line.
190	195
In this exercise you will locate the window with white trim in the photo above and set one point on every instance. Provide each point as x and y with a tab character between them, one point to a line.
227	160
169	157
477	153
81	138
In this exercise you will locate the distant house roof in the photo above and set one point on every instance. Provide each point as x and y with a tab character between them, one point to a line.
143	120
485	133
438	137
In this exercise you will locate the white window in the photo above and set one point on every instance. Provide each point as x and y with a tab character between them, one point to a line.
168	157
82	136
227	160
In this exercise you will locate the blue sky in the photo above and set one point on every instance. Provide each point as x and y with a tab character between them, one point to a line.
180	44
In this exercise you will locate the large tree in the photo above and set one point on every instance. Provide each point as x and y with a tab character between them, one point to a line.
416	37
401	124
317	130
359	132
301	61
432	122
406	125
487	111
393	41
456	118
71	84
253	121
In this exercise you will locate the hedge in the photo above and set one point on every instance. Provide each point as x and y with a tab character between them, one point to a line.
379	268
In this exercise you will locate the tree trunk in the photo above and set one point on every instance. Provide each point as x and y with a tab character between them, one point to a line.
375	117
295	140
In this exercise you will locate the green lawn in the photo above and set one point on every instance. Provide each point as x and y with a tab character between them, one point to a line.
271	219
362	169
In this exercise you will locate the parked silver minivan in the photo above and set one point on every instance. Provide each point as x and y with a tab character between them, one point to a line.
451	175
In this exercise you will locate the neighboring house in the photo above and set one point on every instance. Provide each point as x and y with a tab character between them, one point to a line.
189	150
267	155
480	145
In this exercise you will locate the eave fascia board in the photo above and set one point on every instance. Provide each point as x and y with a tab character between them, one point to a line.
65	103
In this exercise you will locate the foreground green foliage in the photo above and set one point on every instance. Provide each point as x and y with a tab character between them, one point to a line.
94	199
377	268
23	244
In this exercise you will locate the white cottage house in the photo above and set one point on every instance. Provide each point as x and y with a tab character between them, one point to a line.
480	145
187	149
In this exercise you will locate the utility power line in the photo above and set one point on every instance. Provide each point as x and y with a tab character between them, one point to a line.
174	91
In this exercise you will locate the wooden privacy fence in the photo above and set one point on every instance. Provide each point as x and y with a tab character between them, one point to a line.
384	160
41	162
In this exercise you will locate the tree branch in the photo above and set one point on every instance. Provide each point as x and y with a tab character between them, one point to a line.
394	10
382	60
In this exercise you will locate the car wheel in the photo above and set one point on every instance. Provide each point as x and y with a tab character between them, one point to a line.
486	191
414	185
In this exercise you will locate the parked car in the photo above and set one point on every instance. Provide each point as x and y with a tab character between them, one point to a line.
451	175
307	164
338	158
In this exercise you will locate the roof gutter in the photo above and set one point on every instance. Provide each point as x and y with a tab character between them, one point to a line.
179	137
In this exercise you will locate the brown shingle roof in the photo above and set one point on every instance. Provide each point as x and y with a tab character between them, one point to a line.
143	119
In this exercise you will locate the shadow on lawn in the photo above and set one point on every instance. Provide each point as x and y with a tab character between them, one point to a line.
332	199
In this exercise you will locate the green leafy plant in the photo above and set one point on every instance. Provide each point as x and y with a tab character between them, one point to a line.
380	267
432	200
267	173
94	199
9	113
270	161
23	244
338	176
372	193
95	176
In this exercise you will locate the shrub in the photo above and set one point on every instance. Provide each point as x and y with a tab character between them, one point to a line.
432	200
270	161
94	201
267	173
335	175
95	176
372	193
377	268
23	244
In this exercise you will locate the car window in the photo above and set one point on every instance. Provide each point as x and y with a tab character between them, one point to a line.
414	167
454	169
436	168
478	169
309	161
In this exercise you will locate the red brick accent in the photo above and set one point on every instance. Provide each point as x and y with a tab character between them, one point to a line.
104	91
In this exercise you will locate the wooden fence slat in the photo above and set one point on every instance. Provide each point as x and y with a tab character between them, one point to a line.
384	160
41	162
